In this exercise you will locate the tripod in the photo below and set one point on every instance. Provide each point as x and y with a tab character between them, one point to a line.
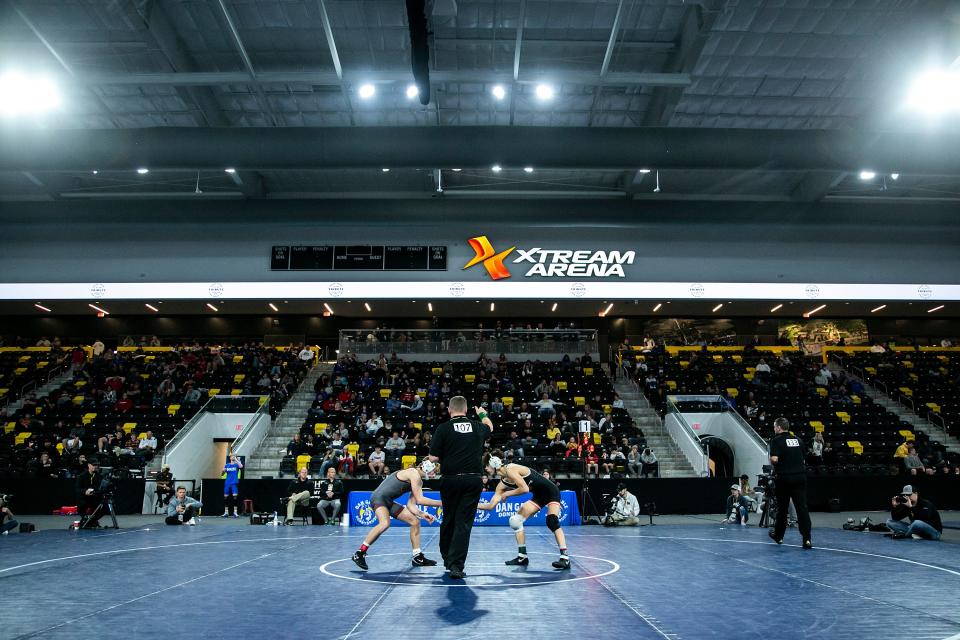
587	499
768	510
107	504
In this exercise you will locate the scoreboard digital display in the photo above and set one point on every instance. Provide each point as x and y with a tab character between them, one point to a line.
358	258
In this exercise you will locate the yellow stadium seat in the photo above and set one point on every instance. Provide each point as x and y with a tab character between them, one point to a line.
672	385
19	371
3	392
149	358
748	376
579	401
817	426
77	399
437	371
418	426
709	377
353	449
22	437
588	371
906	391
173	409
41	365
933	406
129	426
9	427
908	364
80	383
263	400
856	399
856	447
303	461
507	401
871	370
684	364
737	359
213	392
60	448
422	393
732	392
596	438
37	410
718	358
24	359
239	377
469	378
235	392
88	418
907	434
752	369
844	416
142	435
822	391
385	393
237	359
408	461
562	385
319	427
607	408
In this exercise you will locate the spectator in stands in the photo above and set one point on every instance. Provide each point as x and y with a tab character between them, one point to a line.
816	449
913	464
182	509
624	509
164	485
347	463
296	446
738	507
545	406
617	401
98	348
374	424
305	355
299	491
634	462
72	445
923	516
591	462
650	463
619	459
147	446
394	448
331	490
376	461
903	450
762	366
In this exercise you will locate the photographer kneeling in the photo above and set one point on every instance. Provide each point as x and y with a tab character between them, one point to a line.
738	506
624	509
924	519
182	508
7	521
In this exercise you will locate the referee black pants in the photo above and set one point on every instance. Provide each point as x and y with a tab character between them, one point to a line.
459	495
793	486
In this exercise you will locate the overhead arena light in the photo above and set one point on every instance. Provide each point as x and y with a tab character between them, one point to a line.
935	309
498	91
528	169
430	307
272	306
41	307
718	307
935	92
657	308
554	307
327	307
813	311
868	175
894	176
230	170
776	308
366	91
366	305
98	309
151	307
496	168
412	91
644	170
143	171
22	95
211	307
603	314
544	92
880	308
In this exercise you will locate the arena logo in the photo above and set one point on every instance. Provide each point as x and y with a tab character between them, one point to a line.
365	513
482	516
550	263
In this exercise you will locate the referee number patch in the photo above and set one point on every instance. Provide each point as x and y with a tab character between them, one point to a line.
463	427
793	442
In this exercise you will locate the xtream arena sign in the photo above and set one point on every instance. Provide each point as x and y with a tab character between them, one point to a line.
555	263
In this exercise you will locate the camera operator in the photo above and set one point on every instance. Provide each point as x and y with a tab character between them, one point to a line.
90	484
924	519
738	507
787	458
7	522
182	509
624	509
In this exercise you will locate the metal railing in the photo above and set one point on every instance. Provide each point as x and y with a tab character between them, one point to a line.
177	439
492	342
687	440
263	409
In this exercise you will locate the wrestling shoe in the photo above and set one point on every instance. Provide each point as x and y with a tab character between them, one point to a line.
808	544
457	574
226	514
519	561
773	537
360	559
235	515
421	560
562	563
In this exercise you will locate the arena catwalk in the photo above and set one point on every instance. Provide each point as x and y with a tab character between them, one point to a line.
686	579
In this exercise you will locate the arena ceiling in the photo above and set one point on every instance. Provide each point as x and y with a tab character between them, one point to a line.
704	100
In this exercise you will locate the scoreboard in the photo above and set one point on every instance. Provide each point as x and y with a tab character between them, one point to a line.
363	257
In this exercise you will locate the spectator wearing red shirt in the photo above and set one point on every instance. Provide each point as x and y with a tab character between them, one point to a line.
592	462
124	404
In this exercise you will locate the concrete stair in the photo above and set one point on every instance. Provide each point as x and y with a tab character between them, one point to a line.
265	461
42	391
673	464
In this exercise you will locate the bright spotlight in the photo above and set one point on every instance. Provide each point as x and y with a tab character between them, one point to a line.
412	91
366	91
528	169
23	95
868	175
935	92
544	92
894	176
499	92
496	168
143	171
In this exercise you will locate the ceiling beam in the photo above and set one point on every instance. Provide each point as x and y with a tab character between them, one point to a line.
509	41
211	78
516	60
694	33
248	63
614	148
816	184
335	57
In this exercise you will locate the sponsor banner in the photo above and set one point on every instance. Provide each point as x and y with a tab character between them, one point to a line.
362	513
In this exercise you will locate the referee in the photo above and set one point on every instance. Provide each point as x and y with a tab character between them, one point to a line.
458	445
786	456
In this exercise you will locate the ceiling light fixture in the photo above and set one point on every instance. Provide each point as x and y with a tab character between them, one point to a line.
230	170
498	91
367	306
366	91
143	171
41	307
327	307
385	169
430	307
935	92
98	309
643	170
717	308
883	306
496	168
493	306
272	306
935	309
657	308
813	311
604	313
544	92
412	91
27	95
868	175
554	307
528	169
776	308
212	308
894	176
151	307
95	172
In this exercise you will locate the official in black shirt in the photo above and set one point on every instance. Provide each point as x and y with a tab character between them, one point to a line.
458	445
786	456
88	491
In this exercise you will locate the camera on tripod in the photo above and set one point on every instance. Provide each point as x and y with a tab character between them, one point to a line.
5	499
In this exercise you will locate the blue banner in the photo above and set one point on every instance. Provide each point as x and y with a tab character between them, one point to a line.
362	515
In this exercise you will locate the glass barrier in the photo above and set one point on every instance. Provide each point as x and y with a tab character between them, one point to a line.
371	343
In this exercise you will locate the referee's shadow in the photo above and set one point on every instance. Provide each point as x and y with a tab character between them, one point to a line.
461	607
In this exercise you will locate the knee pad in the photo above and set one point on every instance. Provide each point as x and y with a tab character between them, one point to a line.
553	522
516	522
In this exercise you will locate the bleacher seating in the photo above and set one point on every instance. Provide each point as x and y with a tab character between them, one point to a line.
581	389
123	393
860	436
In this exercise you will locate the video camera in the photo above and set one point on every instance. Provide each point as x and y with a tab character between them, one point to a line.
5	499
765	480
